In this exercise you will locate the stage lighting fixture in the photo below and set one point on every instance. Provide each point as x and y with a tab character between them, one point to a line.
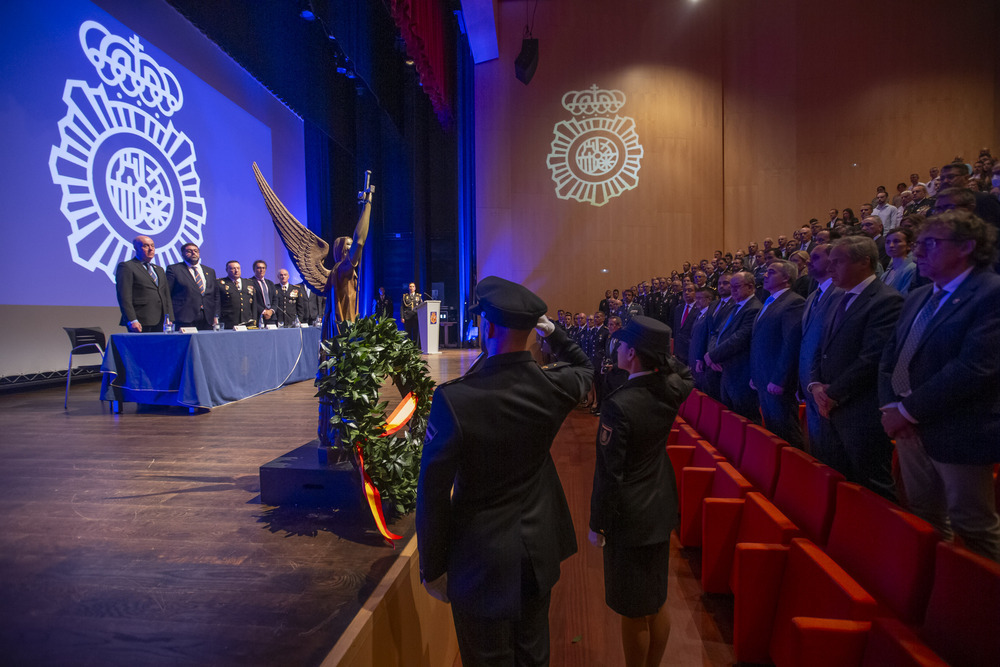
307	15
527	61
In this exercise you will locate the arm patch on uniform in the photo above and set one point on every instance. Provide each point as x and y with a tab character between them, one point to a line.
604	435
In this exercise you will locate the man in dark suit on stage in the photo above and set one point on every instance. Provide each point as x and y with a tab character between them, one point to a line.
236	302
289	301
194	290
938	382
844	375
730	354
263	294
774	353
142	289
492	520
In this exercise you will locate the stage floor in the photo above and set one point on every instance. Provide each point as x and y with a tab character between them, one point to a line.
139	539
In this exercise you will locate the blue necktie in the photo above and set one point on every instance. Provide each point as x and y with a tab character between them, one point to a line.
152	274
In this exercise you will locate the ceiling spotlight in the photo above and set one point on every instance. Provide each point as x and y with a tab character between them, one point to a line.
307	15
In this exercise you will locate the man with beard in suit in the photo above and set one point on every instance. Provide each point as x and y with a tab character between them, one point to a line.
194	290
236	301
142	289
844	375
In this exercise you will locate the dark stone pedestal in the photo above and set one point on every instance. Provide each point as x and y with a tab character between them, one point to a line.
299	478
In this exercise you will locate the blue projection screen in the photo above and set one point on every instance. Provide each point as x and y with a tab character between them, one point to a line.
107	137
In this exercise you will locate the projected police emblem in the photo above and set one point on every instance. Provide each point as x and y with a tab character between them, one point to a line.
123	172
594	157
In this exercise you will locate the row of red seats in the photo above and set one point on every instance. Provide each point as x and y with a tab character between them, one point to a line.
824	572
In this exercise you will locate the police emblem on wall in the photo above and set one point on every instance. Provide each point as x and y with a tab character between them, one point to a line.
123	172
595	157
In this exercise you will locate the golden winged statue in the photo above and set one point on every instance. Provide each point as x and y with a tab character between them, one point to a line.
333	275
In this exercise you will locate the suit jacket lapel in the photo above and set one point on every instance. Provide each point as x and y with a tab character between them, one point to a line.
956	300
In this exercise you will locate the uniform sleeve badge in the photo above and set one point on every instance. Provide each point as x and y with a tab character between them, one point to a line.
604	435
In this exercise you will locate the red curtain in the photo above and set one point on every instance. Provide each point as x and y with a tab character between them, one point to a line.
429	44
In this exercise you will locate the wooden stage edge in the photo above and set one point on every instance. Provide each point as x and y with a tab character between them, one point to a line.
399	624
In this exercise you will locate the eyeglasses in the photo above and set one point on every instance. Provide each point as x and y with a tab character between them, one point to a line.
930	243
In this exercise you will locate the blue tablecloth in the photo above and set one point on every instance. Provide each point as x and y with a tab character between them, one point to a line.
206	369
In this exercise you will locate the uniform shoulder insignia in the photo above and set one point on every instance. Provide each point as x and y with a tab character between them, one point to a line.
451	381
604	436
558	364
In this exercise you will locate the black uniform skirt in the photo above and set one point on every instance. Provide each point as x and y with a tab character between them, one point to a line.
635	578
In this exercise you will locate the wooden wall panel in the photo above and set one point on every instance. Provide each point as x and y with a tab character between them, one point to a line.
751	114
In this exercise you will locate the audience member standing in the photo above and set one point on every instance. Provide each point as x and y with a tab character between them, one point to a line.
844	375
683	322
731	353
774	353
940	379
813	318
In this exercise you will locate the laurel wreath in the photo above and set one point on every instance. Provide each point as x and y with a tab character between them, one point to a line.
360	357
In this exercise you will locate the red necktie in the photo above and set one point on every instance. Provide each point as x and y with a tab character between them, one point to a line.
684	316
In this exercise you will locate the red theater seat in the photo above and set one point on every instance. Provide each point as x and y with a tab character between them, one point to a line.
727	522
803	505
761	457
691	408
806	493
960	626
700	454
708	418
722	481
732	432
888	551
775	584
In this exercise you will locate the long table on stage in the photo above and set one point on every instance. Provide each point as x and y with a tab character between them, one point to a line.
206	369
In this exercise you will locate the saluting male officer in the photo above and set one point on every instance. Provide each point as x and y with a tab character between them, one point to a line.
492	519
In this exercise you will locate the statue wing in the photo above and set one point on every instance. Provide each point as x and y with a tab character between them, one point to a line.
307	250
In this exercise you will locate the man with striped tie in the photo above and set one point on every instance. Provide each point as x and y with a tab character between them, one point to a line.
194	290
141	287
939	378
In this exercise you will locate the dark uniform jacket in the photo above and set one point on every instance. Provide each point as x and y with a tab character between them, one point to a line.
489	435
634	499
236	306
289	304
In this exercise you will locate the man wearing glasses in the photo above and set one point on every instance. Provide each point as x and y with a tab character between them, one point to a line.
939	382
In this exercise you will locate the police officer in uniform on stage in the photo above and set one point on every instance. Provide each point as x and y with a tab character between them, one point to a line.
236	304
408	311
492	520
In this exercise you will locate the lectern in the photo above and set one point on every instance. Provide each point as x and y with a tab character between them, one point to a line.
428	314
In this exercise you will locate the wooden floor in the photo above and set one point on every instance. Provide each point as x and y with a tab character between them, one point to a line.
139	539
